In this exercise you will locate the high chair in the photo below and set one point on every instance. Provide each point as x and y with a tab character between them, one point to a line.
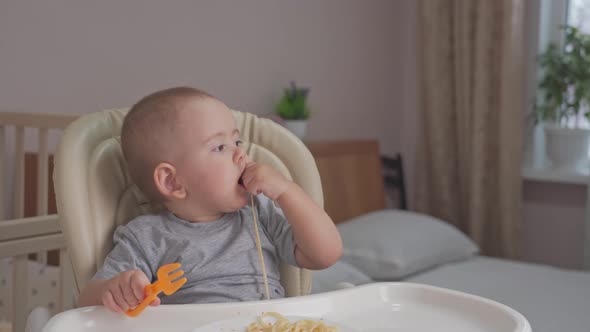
95	194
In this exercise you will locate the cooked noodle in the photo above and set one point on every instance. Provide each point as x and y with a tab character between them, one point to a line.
259	249
282	324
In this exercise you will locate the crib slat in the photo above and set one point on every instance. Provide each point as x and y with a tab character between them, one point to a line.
20	275
2	157
42	173
20	292
42	182
67	286
19	173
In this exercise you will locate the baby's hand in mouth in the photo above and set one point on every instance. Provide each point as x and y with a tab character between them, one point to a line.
241	179
247	162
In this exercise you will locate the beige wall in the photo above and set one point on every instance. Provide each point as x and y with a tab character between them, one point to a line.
71	56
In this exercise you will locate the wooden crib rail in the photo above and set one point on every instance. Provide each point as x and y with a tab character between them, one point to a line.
37	120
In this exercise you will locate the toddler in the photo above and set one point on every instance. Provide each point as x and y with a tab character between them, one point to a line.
182	148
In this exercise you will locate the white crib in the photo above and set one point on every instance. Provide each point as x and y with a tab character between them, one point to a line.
22	279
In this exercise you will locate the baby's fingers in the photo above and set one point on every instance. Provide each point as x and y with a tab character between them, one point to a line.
247	178
138	281
117	294
251	185
129	296
109	302
155	302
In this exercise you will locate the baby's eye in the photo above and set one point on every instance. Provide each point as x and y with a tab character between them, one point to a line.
239	142
219	148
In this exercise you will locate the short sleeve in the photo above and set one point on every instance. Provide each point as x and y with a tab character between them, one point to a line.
126	255
277	228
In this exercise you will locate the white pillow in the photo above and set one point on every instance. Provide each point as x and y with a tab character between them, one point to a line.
392	244
331	279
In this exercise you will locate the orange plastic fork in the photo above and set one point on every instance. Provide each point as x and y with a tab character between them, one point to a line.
166	283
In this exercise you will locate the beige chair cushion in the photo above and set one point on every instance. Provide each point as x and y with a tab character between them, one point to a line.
95	193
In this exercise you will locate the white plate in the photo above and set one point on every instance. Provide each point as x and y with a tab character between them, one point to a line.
240	324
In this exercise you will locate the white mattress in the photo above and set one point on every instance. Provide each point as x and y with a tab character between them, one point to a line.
551	299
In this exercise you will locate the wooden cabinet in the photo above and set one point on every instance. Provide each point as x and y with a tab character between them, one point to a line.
351	175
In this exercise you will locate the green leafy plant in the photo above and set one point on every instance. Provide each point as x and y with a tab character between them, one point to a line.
565	81
293	104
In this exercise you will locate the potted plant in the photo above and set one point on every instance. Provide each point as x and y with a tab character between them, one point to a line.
564	99
293	109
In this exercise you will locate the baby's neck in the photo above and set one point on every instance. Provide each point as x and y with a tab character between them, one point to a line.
198	217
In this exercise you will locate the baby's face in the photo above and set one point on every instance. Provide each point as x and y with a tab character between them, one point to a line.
210	162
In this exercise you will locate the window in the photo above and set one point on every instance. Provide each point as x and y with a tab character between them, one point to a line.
554	14
578	14
544	21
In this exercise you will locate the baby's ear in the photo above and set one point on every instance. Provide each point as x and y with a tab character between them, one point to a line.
167	183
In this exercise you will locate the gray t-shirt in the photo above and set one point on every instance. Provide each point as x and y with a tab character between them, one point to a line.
219	258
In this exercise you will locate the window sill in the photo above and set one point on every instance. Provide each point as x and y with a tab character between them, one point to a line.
536	167
581	176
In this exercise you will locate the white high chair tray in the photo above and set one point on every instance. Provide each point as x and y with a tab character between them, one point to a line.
378	307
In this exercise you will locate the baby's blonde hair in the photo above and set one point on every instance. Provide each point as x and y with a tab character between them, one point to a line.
146	135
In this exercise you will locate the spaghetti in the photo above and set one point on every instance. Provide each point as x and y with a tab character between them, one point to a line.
282	324
259	247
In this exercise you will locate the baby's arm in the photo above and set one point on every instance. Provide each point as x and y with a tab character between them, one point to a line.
318	243
119	284
120	293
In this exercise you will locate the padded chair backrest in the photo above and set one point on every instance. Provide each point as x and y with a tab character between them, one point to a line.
95	193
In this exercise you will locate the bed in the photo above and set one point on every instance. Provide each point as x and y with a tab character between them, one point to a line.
383	244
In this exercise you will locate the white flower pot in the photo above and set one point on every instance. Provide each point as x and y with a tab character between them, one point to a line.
566	148
297	127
